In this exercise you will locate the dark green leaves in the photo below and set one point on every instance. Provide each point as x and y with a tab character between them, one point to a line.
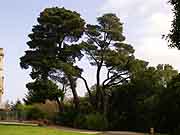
111	25
52	51
41	90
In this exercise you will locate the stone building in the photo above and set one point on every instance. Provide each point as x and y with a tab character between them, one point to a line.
1	76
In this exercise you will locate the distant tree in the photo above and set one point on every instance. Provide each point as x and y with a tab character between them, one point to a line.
140	103
52	52
169	107
166	73
14	107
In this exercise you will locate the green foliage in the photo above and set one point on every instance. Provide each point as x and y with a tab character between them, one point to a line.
29	112
105	48
169	105
52	50
41	90
48	48
49	108
176	130
96	121
33	113
91	121
137	105
85	106
16	106
67	116
105	43
84	119
80	121
133	96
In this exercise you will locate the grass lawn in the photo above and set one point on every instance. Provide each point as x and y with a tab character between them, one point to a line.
29	130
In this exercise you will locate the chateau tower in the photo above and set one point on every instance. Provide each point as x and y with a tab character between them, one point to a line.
1	74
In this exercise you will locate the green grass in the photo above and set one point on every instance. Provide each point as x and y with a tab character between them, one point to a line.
29	130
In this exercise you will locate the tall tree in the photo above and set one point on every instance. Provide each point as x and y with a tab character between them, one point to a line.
52	52
105	48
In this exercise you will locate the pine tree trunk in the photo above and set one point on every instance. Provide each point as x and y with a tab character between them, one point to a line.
73	88
99	94
60	105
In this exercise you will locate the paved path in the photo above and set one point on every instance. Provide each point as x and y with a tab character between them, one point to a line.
76	130
96	132
121	133
17	123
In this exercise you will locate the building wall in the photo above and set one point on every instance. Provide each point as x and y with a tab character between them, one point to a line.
1	74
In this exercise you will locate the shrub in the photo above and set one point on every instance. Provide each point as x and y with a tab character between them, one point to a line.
85	106
96	121
33	113
80	122
67	117
49	108
175	131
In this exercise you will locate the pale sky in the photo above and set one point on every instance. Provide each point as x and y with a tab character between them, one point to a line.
145	21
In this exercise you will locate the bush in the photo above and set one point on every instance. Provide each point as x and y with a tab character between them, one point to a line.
49	108
85	106
96	121
33	113
67	117
84	118
80	122
175	131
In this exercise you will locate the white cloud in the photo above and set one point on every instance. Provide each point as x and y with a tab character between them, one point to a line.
156	51
145	22
160	23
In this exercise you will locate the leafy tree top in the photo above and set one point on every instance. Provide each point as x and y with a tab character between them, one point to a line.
51	42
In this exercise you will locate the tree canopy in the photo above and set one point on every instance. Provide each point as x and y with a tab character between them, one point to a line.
106	48
52	52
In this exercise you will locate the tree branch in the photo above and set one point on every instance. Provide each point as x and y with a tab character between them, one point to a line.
86	84
116	77
113	78
115	83
108	74
93	39
92	56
